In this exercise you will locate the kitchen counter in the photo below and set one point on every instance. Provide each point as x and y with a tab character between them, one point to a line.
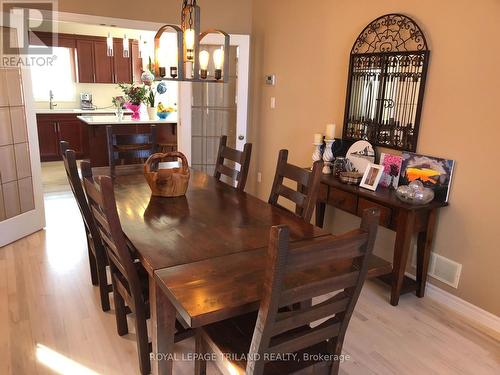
61	111
113	120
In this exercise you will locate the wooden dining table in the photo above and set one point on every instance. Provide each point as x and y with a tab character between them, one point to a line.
204	252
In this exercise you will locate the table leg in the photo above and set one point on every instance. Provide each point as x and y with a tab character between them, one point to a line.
404	234
320	213
424	246
163	315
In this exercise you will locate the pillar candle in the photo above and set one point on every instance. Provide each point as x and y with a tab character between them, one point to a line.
318	138
330	131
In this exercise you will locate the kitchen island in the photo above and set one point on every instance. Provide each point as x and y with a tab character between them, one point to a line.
97	140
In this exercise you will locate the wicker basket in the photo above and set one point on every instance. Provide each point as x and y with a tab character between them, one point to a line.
167	182
351	178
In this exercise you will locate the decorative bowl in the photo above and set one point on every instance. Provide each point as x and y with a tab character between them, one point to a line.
163	115
171	182
351	178
415	193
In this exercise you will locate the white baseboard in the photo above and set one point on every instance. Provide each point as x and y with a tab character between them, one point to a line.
461	307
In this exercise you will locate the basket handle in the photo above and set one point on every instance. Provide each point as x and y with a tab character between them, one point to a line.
159	156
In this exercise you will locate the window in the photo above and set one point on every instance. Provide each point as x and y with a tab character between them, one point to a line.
58	77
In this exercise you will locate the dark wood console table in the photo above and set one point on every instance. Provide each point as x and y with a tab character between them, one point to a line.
406	220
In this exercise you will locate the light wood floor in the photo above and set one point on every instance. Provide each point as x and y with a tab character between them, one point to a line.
47	301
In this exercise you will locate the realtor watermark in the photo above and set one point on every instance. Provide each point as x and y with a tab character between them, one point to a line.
267	357
27	33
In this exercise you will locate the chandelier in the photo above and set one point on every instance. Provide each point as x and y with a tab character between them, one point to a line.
190	62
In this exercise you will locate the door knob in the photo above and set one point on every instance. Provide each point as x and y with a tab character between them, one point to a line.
241	137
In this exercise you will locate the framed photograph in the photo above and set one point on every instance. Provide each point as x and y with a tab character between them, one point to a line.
372	176
392	170
434	173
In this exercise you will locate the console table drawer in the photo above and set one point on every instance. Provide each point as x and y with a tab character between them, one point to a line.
385	212
343	200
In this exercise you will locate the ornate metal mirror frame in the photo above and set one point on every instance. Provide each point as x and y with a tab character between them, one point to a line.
387	74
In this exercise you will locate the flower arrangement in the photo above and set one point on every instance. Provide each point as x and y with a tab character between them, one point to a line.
136	95
118	102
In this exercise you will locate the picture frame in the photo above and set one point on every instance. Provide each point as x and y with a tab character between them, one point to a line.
392	170
372	176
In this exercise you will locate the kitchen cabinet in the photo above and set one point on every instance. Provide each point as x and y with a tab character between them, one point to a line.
55	128
85	61
103	64
122	65
136	62
95	66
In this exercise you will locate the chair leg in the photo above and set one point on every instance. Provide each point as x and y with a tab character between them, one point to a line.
120	314
141	331
200	364
103	283
93	266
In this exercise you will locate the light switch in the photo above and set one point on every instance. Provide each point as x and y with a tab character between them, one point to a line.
273	102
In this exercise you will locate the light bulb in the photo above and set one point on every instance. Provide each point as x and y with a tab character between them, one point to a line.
109	42
126	47
218	62
189	42
204	59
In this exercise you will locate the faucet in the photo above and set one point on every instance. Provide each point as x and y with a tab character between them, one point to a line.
51	100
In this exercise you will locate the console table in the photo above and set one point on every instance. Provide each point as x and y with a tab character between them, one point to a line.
405	219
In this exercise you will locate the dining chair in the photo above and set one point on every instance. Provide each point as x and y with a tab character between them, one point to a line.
97	255
129	278
265	342
235	156
127	148
308	183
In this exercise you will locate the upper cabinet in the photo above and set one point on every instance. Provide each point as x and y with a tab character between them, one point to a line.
95	66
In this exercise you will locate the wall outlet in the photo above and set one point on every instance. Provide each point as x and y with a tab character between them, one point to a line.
273	102
259	177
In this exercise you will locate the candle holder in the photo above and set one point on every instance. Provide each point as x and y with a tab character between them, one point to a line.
328	156
317	154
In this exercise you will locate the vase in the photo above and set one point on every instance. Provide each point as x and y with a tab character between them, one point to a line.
119	113
152	113
136	110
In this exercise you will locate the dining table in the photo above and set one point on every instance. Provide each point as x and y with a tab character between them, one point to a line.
205	252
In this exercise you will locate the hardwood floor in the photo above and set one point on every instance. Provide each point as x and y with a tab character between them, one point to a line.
49	312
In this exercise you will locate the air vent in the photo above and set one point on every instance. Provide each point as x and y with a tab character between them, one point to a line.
442	269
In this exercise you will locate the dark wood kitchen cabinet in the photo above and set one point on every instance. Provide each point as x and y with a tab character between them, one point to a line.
95	66
64	127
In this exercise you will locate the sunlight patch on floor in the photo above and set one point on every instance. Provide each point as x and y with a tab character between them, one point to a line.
60	363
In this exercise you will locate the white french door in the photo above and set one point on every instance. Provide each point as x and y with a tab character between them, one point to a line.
209	110
21	197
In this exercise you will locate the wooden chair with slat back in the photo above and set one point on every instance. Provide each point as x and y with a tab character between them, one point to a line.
295	273
241	157
308	183
130	147
97	255
129	278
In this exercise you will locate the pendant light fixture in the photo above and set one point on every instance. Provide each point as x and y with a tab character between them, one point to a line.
109	44
126	47
187	61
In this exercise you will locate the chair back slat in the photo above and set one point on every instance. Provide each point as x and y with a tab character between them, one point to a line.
102	201
69	160
241	157
130	147
335	266
308	183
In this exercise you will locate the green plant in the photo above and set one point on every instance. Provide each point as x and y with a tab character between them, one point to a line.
134	94
151	98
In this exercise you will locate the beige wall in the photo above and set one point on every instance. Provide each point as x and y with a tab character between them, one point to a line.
308	47
233	16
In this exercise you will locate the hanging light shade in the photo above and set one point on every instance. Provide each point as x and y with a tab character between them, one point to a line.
109	45
187	62
126	47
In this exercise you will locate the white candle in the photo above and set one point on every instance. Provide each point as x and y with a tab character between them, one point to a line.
318	138
330	131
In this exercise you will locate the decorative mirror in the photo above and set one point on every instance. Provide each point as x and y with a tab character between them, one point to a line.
387	73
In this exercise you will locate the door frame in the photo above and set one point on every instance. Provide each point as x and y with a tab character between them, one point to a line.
32	221
186	95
